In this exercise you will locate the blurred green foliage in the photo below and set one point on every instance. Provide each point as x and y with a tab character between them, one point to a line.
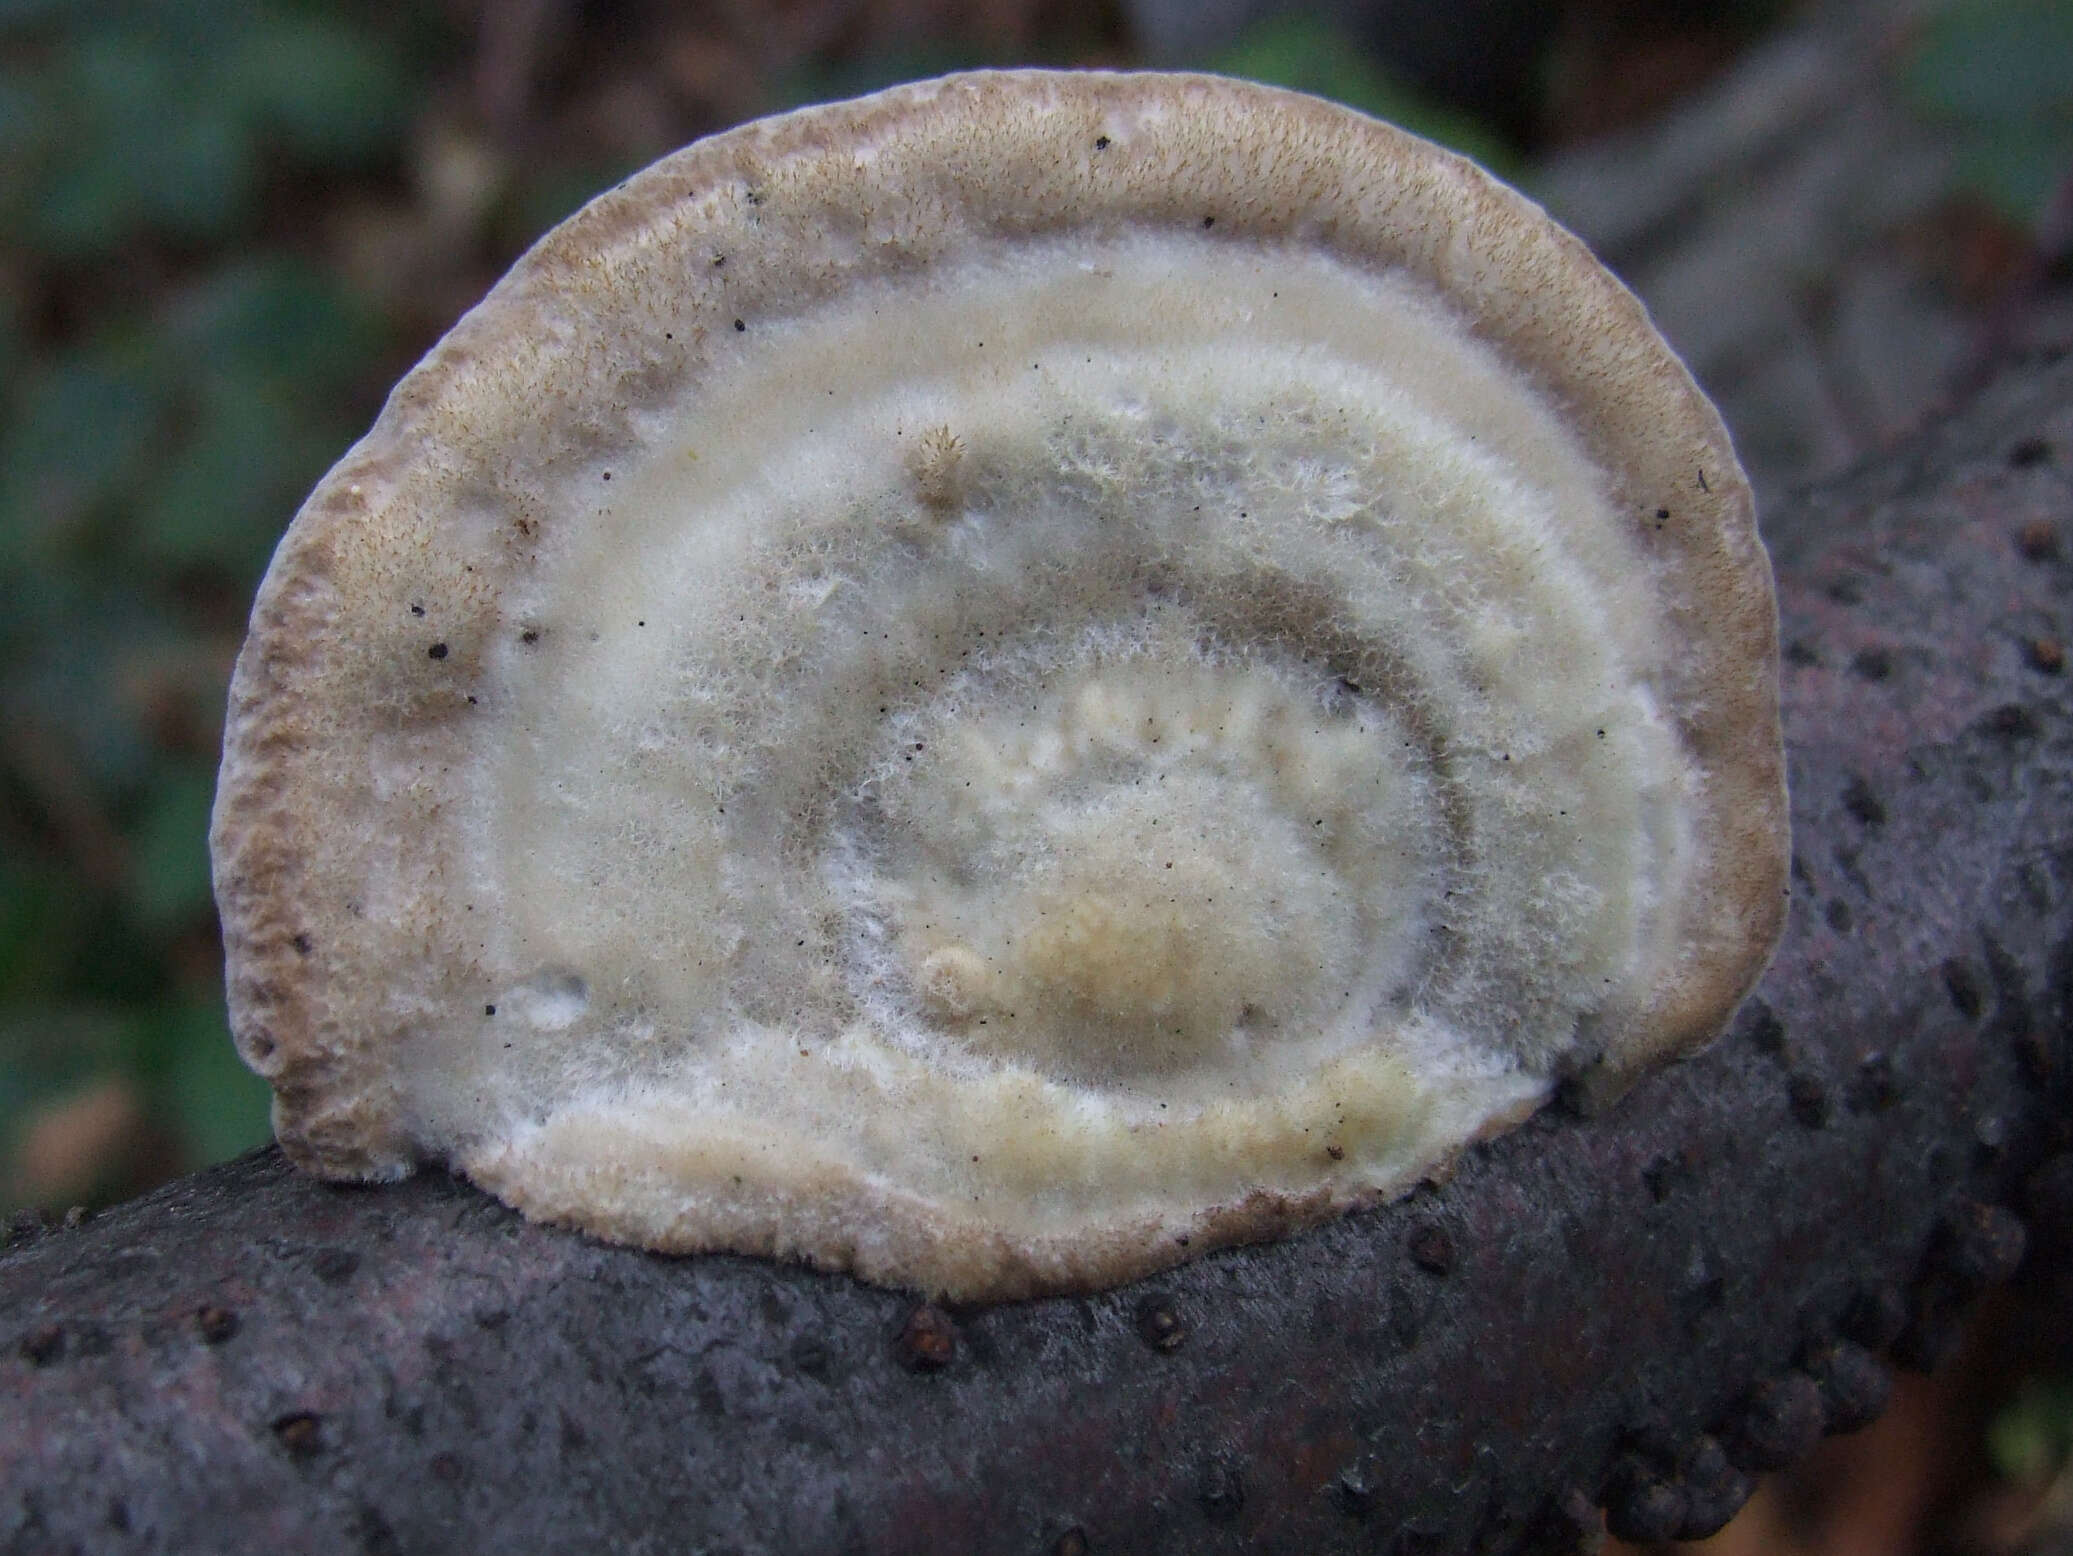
1999	75
2031	1439
178	369
133	116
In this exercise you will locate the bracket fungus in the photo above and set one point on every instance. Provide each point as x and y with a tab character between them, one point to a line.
1001	684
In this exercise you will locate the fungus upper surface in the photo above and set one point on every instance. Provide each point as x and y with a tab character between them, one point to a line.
1000	684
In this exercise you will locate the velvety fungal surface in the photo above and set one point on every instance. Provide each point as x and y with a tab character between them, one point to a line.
1001	684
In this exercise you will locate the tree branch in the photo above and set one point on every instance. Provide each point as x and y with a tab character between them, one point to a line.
1611	1308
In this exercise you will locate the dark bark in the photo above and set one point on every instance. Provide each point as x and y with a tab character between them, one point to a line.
1638	1310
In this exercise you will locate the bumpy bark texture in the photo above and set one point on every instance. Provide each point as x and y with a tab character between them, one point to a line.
1636	1310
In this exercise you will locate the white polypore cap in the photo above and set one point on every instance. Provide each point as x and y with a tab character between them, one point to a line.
1002	683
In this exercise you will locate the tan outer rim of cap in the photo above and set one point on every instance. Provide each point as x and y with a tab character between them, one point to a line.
611	310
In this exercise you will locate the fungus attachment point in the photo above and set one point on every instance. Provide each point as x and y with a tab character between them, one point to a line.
1087	735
